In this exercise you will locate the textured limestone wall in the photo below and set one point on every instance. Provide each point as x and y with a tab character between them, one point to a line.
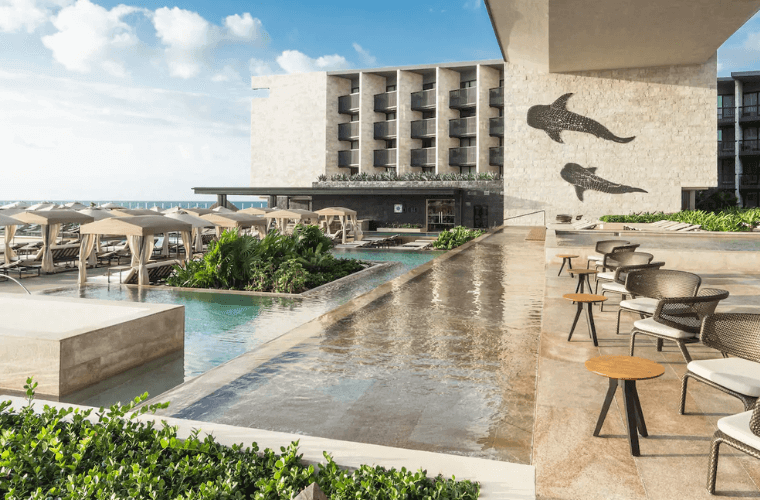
288	131
669	110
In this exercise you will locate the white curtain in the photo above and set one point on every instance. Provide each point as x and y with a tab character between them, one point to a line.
85	250
165	246
198	238
142	249
49	234
187	242
10	254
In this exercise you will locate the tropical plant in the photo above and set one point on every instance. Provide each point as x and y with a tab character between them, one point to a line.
413	176
455	237
728	220
110	453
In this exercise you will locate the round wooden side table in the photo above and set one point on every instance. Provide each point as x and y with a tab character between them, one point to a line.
580	299
566	259
624	371
583	276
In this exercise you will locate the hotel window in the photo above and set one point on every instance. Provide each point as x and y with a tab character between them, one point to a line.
355	117
426	115
390	170
467	84
720	135
465	142
750	104
466	170
390	116
750	133
466	113
428	86
354	90
428	142
390	88
354	144
390	144
353	171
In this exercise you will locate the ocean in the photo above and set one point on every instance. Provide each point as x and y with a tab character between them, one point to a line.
147	204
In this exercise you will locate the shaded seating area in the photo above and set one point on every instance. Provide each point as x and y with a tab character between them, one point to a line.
240	222
50	224
157	272
198	224
340	223
286	220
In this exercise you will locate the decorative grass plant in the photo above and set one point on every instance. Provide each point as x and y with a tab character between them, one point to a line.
728	220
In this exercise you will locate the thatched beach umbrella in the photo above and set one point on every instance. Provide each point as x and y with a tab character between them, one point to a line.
139	231
50	223
45	205
75	205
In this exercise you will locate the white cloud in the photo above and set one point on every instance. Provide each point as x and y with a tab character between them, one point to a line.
17	15
90	35
243	27
366	58
259	67
228	74
293	61
186	34
473	4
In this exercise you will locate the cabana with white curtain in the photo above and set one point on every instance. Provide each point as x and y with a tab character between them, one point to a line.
347	219
286	219
136	212
10	231
256	211
139	231
195	210
197	223
237	221
97	214
50	225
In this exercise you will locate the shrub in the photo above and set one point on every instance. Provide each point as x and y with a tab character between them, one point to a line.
455	237
414	176
72	454
729	220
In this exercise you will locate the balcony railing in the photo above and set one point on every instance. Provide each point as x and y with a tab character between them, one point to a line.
385	157
463	157
463	98
726	181
496	126
348	158
424	157
749	113
385	130
726	149
423	128
348	131
496	97
425	99
749	147
726	115
496	156
385	102
348	104
749	181
463	127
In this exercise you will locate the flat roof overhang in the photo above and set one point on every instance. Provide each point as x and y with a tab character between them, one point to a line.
354	191
582	35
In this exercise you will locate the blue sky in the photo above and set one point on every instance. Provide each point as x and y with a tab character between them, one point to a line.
144	100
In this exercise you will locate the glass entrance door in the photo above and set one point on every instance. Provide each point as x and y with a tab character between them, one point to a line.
440	215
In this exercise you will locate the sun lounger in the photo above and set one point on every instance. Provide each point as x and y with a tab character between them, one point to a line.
418	244
584	224
157	272
21	267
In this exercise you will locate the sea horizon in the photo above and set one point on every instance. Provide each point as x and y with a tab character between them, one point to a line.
134	204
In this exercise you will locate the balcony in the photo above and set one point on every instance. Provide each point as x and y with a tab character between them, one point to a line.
726	116
496	126
726	181
385	130
463	157
463	127
422	129
386	102
423	100
348	158
726	149
749	147
348	104
423	157
348	131
385	157
496	156
749	181
463	98
496	97
749	114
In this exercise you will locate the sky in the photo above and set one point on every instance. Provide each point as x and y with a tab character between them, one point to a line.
101	100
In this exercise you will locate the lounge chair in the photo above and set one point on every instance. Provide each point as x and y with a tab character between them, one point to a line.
609	262
21	266
418	244
584	224
603	247
736	335
679	319
742	432
157	272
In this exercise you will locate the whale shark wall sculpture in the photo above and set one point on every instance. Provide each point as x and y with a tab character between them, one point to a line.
585	179
555	118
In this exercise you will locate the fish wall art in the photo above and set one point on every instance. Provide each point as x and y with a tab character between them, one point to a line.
555	118
586	179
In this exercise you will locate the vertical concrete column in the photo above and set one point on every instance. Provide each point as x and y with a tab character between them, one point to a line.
738	167
406	83
336	87
369	85
488	78
446	80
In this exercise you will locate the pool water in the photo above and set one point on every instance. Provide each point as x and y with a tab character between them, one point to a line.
222	326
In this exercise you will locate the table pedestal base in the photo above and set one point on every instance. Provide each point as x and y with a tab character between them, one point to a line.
632	407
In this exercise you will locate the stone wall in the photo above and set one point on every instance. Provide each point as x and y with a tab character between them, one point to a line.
670	111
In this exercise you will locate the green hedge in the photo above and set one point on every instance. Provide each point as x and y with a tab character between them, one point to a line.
60	454
731	220
455	237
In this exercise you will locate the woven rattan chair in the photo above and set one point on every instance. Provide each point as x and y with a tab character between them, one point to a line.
742	432
617	286
651	285
679	319
614	260
736	335
602	247
609	262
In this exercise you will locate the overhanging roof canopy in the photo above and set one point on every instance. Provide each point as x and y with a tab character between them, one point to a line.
141	225
293	213
52	217
432	190
191	219
581	35
8	221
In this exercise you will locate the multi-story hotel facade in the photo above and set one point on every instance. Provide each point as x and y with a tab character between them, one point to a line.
738	138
